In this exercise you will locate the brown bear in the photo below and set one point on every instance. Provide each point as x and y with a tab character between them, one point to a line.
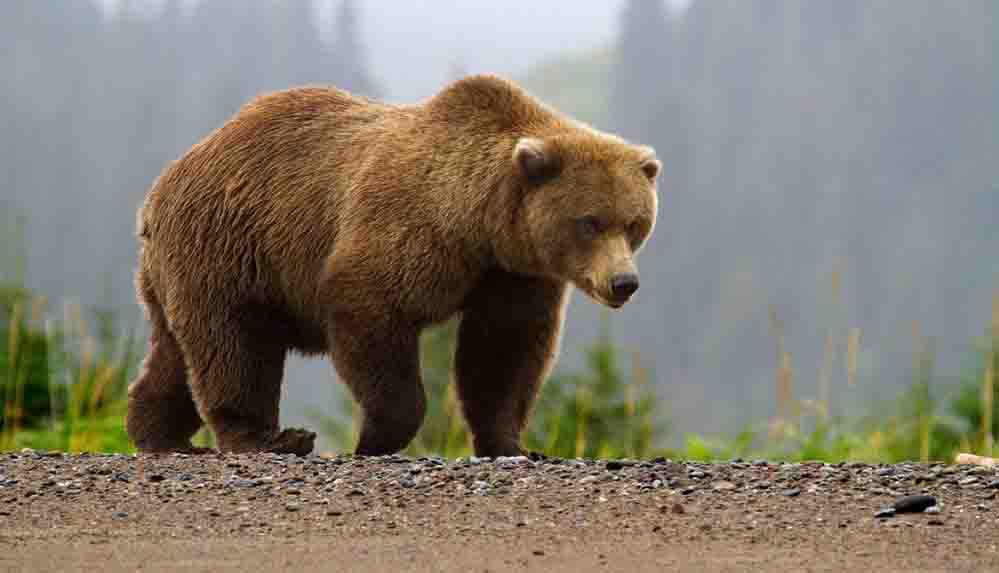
318	221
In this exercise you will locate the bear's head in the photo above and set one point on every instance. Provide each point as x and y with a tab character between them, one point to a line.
586	204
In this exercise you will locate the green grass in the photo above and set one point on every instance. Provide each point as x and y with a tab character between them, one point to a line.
63	386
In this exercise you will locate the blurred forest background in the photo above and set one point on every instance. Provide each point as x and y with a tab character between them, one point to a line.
831	177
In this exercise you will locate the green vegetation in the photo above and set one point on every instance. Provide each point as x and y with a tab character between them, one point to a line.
62	383
63	386
599	414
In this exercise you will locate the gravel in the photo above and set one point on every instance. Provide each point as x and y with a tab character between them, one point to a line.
537	507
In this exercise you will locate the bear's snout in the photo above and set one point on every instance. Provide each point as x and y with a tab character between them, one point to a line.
623	285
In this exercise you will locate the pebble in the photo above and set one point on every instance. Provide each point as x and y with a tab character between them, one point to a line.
723	485
794	492
914	503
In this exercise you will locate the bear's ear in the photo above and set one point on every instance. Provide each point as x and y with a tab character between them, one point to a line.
535	160
650	166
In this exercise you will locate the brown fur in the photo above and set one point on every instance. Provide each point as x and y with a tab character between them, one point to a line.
322	222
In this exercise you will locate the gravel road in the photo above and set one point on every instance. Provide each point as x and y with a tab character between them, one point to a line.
273	513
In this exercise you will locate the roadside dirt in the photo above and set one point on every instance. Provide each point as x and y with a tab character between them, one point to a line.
275	513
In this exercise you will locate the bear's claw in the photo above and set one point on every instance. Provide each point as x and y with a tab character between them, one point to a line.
293	441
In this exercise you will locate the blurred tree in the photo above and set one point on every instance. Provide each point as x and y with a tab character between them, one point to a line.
353	74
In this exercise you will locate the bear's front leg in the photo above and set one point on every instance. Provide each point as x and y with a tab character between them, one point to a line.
507	344
380	363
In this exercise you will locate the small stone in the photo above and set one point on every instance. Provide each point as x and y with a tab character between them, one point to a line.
292	507
155	478
968	480
793	492
120	515
614	465
723	485
914	503
932	510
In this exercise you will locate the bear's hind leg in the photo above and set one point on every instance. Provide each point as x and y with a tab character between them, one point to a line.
236	380
507	343
161	414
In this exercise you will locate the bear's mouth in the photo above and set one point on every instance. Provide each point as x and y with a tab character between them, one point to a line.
609	302
600	296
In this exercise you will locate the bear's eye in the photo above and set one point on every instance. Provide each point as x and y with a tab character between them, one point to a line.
591	225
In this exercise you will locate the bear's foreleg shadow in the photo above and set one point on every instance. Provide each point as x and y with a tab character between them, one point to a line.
507	343
381	366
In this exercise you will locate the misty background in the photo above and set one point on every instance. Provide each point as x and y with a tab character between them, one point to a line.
799	139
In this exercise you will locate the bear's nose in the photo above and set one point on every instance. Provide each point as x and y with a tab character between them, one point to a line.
624	285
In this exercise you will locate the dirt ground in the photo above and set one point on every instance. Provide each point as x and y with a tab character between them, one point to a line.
284	513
